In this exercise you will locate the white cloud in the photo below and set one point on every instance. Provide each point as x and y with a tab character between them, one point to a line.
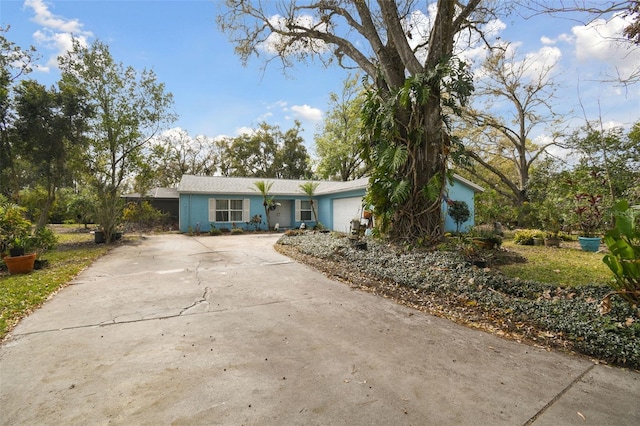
601	41
307	113
47	19
245	131
56	33
547	40
265	116
538	63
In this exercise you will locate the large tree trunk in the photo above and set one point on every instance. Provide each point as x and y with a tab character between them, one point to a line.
419	219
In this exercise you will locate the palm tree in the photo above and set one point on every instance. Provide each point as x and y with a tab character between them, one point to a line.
264	188
309	188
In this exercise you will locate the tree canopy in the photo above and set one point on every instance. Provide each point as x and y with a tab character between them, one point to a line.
267	152
514	95
131	108
338	141
413	78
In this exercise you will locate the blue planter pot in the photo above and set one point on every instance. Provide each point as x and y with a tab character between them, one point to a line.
589	244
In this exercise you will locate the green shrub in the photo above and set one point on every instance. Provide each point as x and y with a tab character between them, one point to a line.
525	236
15	229
43	239
236	231
624	258
215	231
459	212
144	214
486	236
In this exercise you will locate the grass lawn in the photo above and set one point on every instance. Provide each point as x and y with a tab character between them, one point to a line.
22	294
564	266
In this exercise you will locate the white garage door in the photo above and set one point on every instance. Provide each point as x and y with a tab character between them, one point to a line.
344	210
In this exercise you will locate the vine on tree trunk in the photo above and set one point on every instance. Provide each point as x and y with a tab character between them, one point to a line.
408	145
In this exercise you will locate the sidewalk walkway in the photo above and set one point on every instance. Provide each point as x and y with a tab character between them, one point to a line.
224	330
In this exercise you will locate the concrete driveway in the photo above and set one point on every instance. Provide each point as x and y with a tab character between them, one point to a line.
224	330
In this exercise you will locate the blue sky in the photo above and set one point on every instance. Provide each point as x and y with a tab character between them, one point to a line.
215	95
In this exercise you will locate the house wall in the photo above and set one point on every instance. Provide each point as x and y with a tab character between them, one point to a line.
459	192
325	210
194	211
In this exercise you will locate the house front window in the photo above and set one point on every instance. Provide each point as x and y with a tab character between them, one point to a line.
227	210
305	211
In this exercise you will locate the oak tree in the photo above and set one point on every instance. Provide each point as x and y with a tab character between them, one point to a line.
413	74
513	97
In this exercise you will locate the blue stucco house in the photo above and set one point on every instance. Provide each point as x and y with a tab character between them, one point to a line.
227	201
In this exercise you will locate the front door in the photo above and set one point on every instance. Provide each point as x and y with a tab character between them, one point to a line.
282	214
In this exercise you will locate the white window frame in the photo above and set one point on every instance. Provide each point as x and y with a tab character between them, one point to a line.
246	204
300	210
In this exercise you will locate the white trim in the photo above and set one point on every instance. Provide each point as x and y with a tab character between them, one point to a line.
474	186
212	210
246	210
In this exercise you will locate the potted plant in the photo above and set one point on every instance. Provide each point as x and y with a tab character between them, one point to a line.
552	239
486	239
590	215
15	236
552	236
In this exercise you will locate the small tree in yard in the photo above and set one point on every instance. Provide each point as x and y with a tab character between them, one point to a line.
264	188
309	188
130	109
459	212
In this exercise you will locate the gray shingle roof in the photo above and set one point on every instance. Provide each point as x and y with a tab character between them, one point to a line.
157	193
190	184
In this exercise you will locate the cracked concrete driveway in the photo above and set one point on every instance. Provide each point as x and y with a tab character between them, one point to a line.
225	330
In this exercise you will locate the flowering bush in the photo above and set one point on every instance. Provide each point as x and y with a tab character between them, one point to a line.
590	213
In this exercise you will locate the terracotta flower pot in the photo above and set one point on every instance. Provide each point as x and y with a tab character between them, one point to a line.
20	264
484	243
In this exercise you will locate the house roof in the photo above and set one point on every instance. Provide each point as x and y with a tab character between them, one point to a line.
157	193
474	186
190	184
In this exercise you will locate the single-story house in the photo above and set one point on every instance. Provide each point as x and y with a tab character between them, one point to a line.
167	200
235	201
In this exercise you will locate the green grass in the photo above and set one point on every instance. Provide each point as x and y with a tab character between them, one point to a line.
22	294
567	267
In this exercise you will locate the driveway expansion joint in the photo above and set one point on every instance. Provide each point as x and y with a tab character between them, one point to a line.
559	395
